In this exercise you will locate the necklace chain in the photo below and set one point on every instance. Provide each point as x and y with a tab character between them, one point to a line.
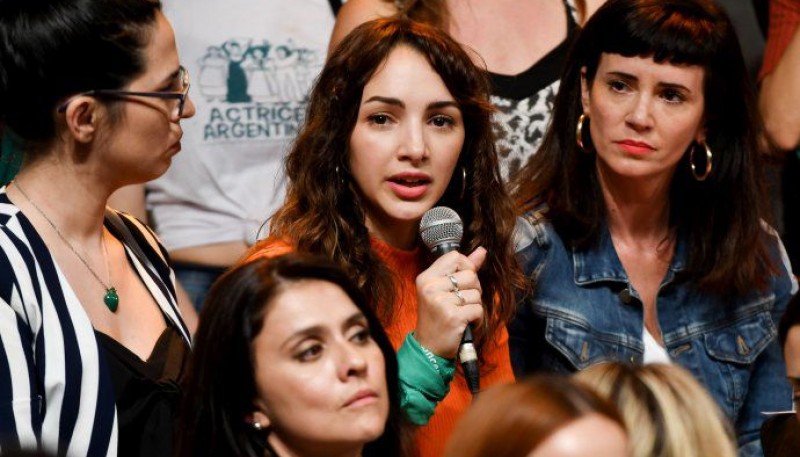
111	299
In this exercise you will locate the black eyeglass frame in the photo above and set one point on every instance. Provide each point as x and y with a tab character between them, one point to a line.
180	96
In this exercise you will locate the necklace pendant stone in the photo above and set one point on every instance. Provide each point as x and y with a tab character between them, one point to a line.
111	299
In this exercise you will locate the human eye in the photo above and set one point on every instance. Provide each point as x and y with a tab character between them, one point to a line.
673	96
172	85
309	352
618	85
361	335
379	119
442	121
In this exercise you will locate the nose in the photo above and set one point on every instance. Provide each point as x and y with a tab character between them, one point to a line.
414	146
188	108
352	362
640	116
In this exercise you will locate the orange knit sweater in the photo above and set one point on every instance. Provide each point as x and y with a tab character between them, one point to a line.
406	265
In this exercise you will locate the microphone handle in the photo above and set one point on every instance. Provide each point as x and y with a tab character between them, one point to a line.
467	354
445	247
469	362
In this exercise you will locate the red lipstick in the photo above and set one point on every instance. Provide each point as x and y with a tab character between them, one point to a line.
635	147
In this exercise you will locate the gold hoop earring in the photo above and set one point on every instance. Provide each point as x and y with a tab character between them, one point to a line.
692	165
579	132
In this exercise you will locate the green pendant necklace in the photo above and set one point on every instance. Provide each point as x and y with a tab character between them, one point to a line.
111	299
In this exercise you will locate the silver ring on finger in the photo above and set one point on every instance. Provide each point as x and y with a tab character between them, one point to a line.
461	300
453	282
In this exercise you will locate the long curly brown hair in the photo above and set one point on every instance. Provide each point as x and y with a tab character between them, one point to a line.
324	213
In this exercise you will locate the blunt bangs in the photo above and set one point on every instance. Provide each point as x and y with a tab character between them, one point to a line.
676	32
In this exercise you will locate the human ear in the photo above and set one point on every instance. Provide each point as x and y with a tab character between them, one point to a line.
82	119
258	420
700	137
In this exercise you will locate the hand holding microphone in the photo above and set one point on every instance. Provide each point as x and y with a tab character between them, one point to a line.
449	293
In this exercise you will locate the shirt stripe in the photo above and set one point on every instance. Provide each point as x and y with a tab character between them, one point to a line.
55	389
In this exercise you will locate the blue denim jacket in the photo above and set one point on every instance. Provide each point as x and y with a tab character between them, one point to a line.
584	311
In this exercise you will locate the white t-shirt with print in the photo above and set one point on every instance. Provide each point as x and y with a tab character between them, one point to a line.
251	64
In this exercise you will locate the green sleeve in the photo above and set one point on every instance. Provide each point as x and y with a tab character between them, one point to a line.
424	380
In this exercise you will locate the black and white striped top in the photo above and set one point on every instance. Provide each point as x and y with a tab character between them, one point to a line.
55	389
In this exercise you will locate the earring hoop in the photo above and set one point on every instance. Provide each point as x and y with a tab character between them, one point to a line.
338	173
709	156
579	131
463	183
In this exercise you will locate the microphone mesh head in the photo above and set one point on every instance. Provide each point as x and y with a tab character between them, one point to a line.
440	225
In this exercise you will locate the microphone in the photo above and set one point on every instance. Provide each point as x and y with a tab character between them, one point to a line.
441	230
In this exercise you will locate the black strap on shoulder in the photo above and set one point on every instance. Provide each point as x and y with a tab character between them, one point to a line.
336	5
122	229
572	17
116	221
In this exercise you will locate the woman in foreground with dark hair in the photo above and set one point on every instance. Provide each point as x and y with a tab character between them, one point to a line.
398	123
647	238
92	345
291	361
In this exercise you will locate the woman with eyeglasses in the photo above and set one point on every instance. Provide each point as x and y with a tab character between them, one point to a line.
92	343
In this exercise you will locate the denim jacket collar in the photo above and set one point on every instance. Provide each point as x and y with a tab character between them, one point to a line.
600	263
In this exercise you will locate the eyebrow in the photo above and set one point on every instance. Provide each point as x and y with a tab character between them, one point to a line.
386	100
171	77
356	318
397	102
443	104
668	85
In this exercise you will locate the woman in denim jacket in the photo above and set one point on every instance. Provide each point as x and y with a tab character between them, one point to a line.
643	231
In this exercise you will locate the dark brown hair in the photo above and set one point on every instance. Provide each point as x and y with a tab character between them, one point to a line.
324	213
221	386
721	217
51	50
513	419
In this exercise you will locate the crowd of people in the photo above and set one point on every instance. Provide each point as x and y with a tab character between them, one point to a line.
616	264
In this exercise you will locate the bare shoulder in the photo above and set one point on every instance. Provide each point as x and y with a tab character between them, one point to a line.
591	7
355	13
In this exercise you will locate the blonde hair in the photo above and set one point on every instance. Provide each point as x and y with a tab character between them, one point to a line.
666	411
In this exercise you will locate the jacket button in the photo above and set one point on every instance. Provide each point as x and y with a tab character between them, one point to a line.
625	296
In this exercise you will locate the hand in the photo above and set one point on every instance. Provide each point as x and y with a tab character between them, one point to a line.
441	315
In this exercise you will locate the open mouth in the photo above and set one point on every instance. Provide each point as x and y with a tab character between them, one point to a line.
410	182
409	187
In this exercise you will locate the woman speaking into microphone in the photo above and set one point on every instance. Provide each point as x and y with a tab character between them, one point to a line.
398	123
